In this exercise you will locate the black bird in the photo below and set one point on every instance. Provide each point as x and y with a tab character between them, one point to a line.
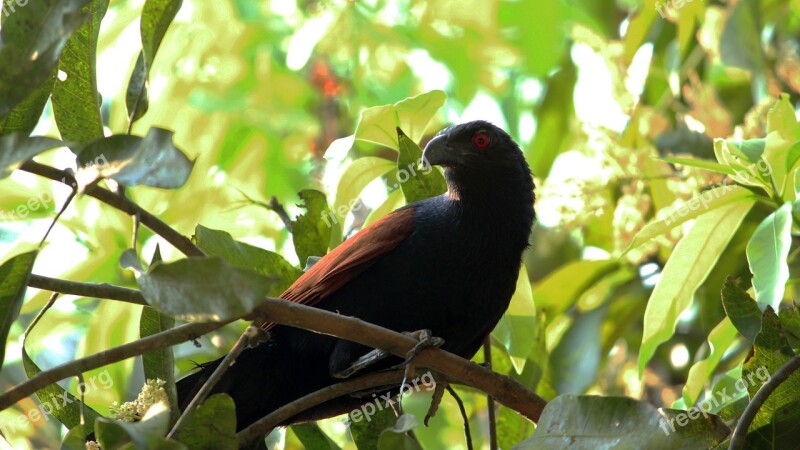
448	264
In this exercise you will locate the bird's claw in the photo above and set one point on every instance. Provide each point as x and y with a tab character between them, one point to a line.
426	340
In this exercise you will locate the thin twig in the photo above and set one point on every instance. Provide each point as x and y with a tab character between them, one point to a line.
283	414
58	215
90	290
487	359
463	415
242	343
740	433
179	241
276	206
153	342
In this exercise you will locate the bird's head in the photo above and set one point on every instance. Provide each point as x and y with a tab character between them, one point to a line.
480	159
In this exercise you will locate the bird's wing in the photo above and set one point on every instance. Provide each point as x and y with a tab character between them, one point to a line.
350	258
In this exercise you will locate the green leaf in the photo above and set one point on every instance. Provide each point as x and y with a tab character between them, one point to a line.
512	428
160	364
719	340
394	201
31	42
312	437
157	15
782	119
687	268
705	202
76	102
355	178
775	424
144	435
378	124
54	399
24	117
212	426
17	148
700	164
554	115
418	180
741	309
562	288
589	422
131	160
396	437
310	234
739	44
14	275
516	328
366	429
247	257
74	440
203	289
576	358
766	254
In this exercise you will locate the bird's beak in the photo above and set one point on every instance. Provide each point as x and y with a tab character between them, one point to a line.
438	153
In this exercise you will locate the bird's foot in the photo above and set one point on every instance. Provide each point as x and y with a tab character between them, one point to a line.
436	399
426	340
362	362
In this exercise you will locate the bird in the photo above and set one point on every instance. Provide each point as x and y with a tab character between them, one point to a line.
448	264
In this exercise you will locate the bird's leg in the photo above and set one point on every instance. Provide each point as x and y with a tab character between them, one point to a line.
425	338
362	362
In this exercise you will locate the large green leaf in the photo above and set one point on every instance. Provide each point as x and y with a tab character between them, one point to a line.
17	148
160	364
589	422
76	101
554	114
312	437
418	180
25	115
355	178
379	124
707	201
157	15
367	424
14	275
152	161
687	268
775	424
396	437
212	426
516	328
310	234
576	358
719	340
766	253
33	37
741	309
203	289
245	256
562	288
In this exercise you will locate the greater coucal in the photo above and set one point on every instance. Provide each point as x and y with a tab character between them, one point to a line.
448	264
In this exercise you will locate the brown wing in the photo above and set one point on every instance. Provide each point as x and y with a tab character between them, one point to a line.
350	258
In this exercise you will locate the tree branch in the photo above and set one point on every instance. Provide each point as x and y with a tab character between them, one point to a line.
503	389
264	425
135	348
121	203
103	290
740	433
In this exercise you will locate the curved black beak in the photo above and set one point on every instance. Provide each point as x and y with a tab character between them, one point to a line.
438	153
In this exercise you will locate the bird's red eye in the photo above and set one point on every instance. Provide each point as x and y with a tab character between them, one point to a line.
481	140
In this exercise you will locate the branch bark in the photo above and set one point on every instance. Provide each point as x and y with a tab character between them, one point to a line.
179	241
135	348
103	290
740	433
